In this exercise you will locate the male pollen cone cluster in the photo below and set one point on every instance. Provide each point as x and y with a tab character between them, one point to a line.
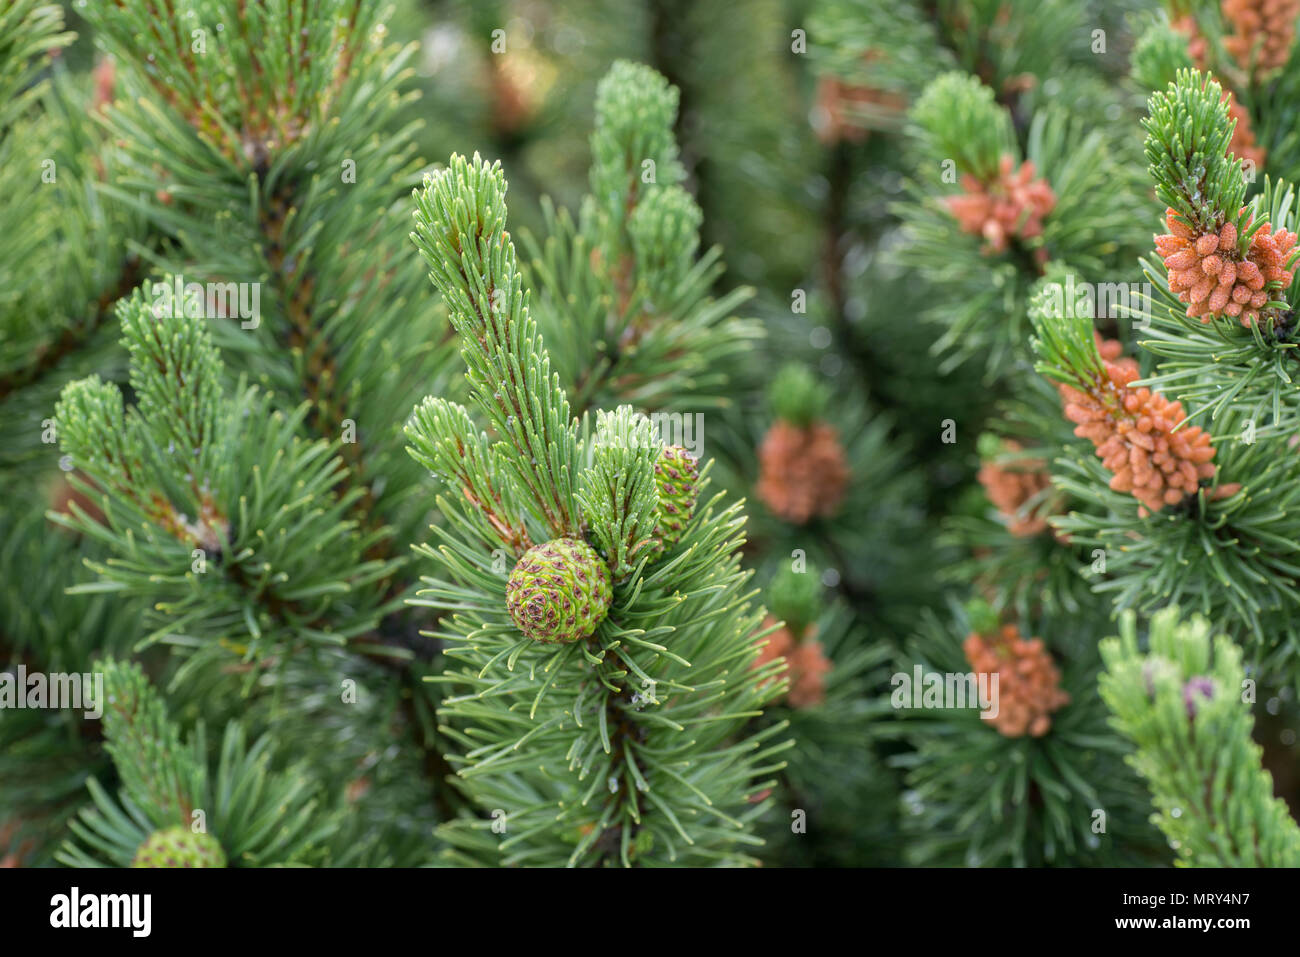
803	472
1208	273
837	100
1029	684
1012	206
1009	486
1197	45
1262	31
1133	432
1112	350
806	663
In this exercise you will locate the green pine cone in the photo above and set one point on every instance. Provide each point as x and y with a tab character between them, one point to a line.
676	476
559	591
179	847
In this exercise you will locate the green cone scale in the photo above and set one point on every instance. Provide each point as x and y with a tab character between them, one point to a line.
559	591
677	476
179	847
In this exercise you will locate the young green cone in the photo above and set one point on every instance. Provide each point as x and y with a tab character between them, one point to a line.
676	476
559	591
179	847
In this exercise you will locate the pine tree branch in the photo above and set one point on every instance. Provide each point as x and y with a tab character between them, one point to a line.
460	231
157	772
1184	704
625	302
182	452
605	726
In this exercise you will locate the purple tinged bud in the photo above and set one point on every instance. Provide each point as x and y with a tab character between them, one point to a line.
1196	689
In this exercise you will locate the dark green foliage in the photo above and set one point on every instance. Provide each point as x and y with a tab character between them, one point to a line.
732	228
